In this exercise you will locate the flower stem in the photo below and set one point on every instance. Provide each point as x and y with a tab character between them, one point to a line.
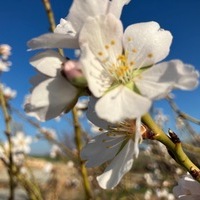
31	187
7	117
78	141
50	15
173	145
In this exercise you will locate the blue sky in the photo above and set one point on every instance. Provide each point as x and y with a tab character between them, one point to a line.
22	20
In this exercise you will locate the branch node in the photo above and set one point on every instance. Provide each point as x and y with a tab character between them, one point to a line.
174	138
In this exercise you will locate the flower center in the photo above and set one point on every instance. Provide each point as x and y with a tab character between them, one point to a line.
122	71
126	128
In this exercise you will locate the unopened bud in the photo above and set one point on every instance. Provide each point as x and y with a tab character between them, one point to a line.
73	73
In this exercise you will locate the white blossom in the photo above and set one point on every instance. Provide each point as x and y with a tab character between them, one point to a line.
48	168
164	194
20	147
21	143
66	33
148	195
160	118
121	69
119	146
55	151
5	51
52	93
8	92
187	189
4	66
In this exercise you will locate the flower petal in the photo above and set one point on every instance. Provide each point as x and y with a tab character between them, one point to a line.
187	188
146	43
138	137
37	79
121	103
98	80
103	34
160	79
45	102
192	185
93	117
101	149
48	62
116	7
81	10
153	90
185	76
53	40
120	165
65	27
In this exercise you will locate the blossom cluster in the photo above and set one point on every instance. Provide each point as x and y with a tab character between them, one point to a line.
5	52
20	148
121	71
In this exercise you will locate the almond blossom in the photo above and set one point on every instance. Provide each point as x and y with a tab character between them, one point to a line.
121	69
187	188
5	51
20	147
21	143
66	33
118	145
52	93
160	118
8	92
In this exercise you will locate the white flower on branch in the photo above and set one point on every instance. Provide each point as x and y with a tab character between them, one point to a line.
187	189
52	93
160	118
8	92
21	143
20	147
4	66
118	145
121	69
5	51
67	32
55	151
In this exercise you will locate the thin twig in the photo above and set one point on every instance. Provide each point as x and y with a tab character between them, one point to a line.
173	145
185	117
181	114
78	141
44	133
7	117
51	18
77	127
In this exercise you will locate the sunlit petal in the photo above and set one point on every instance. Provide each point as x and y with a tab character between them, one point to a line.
48	62
100	149
45	102
120	165
146	43
53	40
121	103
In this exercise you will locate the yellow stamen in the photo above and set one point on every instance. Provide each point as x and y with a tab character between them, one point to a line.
107	46
112	42
150	55
100	53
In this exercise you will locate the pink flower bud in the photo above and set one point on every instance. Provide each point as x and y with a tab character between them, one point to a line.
71	70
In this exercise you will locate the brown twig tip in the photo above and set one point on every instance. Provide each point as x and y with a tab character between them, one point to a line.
195	173
148	133
174	138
